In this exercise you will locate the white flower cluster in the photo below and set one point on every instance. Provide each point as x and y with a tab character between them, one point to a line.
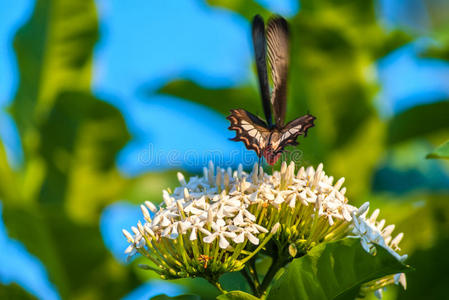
231	206
309	186
373	232
216	222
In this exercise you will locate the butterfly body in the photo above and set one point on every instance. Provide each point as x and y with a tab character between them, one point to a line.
264	137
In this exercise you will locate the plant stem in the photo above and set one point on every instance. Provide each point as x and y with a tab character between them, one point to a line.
248	279
216	284
276	265
274	268
253	271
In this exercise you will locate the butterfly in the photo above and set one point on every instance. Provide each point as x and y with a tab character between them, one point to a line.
264	137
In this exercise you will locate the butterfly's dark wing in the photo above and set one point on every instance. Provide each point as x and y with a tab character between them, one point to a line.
278	56
260	51
250	129
288	134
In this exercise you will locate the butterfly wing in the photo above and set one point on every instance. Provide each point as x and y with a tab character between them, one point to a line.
278	56
250	129
260	51
288	134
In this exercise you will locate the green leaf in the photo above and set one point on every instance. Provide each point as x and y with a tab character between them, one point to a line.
54	51
52	204
441	151
80	139
8	185
14	291
437	52
180	297
430	280
333	269
73	254
418	121
221	100
236	295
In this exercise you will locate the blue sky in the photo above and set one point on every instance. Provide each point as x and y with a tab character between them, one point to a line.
143	46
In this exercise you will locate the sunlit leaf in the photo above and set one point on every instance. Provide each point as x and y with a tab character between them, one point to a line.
392	42
70	142
29	227
333	269
72	253
441	151
8	184
80	139
437	52
236	295
14	291
149	186
221	100
418	121
54	51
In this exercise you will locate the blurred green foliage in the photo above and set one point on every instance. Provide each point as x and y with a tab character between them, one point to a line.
70	141
441	151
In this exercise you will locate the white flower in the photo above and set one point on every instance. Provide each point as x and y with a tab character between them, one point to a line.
373	232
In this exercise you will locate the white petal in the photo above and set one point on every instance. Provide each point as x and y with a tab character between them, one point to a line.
253	197
130	249
223	243
249	215
238	220
128	236
395	242
221	222
275	228
167	199
279	199
134	229
151	206
403	280
388	230
346	214
146	213
131	252
165	221
239	238
378	293
166	231
362	209
260	228
252	238
193	235
292	203
181	179
210	238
